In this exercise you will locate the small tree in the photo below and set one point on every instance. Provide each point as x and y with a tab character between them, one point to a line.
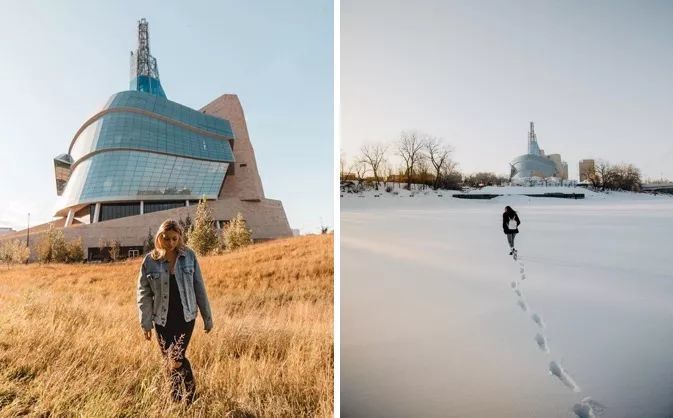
203	238
21	253
236	234
14	252
52	247
6	253
438	154
59	248
148	244
103	245
359	168
75	251
114	249
410	148
187	227
374	156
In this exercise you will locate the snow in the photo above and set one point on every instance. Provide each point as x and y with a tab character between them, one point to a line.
432	324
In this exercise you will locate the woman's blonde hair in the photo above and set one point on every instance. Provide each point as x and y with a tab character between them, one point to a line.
167	225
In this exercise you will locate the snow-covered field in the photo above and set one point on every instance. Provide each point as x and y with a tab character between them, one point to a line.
438	320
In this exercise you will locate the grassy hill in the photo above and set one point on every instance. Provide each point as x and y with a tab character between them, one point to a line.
71	342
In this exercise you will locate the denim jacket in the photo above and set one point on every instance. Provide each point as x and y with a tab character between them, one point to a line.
153	287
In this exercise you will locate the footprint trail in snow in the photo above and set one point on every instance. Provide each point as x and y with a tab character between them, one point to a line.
536	318
587	407
541	342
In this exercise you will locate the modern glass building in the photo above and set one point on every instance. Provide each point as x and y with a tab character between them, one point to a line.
145	149
536	164
143	153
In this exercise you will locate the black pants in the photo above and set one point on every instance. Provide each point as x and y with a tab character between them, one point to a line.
510	239
173	341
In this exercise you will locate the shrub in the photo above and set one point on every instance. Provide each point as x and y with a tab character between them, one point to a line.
75	251
14	252
59	248
54	248
187	227
148	245
203	238
115	249
236	234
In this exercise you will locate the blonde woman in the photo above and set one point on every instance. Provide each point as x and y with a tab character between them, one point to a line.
170	288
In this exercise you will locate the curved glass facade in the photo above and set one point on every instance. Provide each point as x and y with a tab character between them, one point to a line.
138	131
136	175
534	166
127	156
171	110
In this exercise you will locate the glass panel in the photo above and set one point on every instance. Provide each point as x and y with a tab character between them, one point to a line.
128	130
176	111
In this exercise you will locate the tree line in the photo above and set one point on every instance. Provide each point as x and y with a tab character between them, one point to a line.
608	176
425	160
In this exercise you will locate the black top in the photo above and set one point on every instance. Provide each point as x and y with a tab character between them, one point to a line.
505	221
175	312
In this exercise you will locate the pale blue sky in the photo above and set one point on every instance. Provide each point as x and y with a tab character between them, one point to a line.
62	60
595	76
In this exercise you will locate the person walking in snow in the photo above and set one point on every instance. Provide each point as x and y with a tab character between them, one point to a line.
510	225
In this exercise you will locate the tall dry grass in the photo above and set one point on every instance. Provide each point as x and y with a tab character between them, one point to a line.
71	343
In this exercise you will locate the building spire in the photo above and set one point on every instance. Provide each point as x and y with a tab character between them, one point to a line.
144	69
533	147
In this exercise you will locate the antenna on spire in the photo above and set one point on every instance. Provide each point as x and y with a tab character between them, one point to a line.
533	148
144	69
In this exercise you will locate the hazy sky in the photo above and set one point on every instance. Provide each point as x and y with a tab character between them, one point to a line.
596	77
62	60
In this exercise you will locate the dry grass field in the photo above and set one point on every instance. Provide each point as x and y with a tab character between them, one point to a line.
71	342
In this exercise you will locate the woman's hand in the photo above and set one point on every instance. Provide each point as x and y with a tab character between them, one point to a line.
148	334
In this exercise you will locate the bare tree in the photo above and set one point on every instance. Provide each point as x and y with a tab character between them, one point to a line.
438	153
602	170
342	167
359	168
386	171
626	177
423	169
594	179
410	148
374	156
589	174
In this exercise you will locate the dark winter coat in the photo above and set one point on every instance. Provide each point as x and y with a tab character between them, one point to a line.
505	221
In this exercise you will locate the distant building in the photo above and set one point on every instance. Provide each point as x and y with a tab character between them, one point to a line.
536	164
587	168
6	230
143	158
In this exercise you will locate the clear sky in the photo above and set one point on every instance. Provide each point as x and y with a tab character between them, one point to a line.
596	77
61	61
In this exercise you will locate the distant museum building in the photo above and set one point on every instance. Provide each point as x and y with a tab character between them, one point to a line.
143	158
535	164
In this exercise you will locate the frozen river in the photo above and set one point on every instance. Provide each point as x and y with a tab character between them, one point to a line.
438	320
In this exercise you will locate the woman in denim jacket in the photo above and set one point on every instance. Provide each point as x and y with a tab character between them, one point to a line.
170	288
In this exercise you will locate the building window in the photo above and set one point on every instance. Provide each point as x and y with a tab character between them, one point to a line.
134	253
117	210
150	207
